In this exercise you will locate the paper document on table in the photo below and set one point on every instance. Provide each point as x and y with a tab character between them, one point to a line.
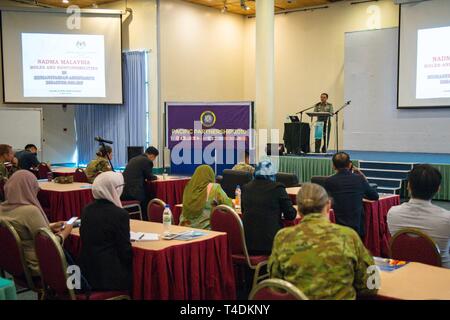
143	236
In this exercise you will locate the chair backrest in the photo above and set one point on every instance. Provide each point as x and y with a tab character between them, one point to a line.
288	179
276	289
43	170
155	209
225	219
413	245
80	176
320	180
52	264
12	259
232	178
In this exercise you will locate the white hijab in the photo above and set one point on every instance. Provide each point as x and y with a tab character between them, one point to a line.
109	186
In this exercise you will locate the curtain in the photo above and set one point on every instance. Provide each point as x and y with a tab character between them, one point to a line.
124	124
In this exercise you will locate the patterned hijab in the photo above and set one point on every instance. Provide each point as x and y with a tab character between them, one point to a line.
109	186
195	193
21	190
265	171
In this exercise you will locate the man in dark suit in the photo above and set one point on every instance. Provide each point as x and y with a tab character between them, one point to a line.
138	170
348	187
28	157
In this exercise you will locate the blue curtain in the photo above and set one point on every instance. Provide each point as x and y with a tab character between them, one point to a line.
124	124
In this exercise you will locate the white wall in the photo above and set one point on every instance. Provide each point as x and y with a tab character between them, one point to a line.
375	123
309	53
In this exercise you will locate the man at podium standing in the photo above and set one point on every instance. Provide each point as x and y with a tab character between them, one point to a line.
324	106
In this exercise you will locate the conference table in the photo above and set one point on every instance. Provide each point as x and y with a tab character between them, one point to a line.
199	269
377	234
168	189
63	171
415	281
64	201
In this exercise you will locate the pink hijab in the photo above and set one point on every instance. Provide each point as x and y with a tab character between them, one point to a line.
21	190
109	186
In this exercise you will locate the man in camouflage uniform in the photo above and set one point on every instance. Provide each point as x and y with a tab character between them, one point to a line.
6	156
245	166
322	259
100	164
324	106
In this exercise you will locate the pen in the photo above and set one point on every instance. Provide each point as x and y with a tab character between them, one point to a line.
141	236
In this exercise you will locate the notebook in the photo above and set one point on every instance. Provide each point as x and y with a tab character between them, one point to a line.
143	236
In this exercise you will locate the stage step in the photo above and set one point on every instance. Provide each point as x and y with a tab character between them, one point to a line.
389	176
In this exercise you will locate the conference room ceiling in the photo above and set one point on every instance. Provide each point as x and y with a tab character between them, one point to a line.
80	3
234	6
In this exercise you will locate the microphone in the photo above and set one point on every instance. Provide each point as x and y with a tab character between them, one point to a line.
349	101
101	140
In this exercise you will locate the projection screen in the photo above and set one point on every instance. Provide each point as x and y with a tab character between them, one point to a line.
49	58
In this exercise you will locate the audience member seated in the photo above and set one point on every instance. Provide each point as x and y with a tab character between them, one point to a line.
200	196
23	210
106	254
264	204
27	158
7	161
233	178
419	213
138	170
323	259
100	164
347	188
245	166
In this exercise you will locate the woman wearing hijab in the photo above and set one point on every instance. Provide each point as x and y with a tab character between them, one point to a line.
106	256
265	203
23	210
199	198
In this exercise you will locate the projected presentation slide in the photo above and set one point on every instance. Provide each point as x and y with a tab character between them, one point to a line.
433	63
63	65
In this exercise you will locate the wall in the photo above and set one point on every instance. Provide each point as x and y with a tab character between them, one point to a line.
309	53
59	145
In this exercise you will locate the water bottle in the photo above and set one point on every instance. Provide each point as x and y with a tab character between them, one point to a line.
237	198
167	220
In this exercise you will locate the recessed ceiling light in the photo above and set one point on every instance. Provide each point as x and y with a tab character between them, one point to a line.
65	1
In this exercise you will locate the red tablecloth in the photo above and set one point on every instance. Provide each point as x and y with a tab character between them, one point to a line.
170	191
200	270
377	234
61	206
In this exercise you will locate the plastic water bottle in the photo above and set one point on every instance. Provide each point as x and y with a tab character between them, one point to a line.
237	198
167	220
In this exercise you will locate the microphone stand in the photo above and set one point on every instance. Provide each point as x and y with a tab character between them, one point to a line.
337	121
301	122
105	154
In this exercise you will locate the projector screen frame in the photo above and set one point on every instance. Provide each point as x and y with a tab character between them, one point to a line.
58	10
398	70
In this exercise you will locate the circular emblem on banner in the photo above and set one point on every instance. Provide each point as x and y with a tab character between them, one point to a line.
208	119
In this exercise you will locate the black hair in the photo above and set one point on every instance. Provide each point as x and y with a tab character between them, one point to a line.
324	94
424	181
152	150
29	146
341	160
103	151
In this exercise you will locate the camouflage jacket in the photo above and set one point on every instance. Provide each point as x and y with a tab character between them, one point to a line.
4	174
242	166
324	260
101	164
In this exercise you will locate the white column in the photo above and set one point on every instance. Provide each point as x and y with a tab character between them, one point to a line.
265	98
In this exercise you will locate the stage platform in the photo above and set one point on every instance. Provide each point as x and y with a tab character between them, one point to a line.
387	169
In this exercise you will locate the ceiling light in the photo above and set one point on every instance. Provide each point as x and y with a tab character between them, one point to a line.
244	6
65	1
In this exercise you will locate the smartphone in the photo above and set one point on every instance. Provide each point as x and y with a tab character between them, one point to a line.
72	220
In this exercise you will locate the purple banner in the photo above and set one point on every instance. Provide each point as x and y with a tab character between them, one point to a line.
203	123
